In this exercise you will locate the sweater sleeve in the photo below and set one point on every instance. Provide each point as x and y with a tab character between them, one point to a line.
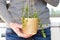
52	2
4	12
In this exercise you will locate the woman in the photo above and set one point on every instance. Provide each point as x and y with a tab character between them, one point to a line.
13	14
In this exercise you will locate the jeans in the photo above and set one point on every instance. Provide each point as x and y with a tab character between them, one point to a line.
11	35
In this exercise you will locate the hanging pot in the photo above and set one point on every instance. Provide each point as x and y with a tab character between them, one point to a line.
30	26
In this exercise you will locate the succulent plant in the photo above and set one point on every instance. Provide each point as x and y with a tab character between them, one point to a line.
26	12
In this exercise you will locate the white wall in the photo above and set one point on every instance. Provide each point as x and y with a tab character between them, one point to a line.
55	33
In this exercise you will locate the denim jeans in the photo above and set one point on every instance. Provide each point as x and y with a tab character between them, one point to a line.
11	35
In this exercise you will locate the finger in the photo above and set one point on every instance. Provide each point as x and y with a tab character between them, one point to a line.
17	31
26	36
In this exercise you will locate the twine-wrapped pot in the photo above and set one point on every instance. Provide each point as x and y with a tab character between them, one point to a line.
30	22
30	26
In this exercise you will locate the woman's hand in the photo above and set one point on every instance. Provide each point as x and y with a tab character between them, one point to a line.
17	28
